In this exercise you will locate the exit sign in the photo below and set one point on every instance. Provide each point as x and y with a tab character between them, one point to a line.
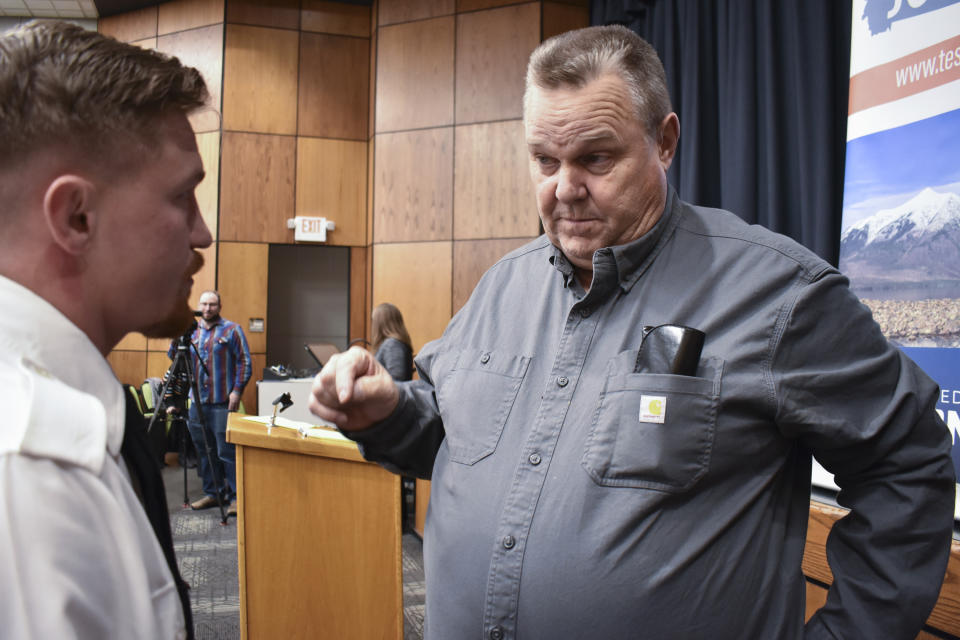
310	229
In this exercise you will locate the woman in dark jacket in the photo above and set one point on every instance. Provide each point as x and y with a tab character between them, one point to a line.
391	342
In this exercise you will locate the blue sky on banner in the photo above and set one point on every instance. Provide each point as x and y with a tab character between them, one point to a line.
924	155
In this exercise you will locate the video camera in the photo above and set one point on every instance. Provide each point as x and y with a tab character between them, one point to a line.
177	379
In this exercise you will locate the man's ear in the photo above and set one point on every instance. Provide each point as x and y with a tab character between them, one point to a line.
68	212
667	137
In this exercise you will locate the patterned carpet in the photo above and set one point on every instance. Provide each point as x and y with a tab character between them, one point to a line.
207	555
413	587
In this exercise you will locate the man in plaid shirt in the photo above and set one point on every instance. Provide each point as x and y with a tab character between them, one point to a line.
222	349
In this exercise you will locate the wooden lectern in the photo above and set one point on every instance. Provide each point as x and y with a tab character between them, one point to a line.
318	535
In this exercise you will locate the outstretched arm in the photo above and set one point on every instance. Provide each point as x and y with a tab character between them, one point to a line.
398	426
353	391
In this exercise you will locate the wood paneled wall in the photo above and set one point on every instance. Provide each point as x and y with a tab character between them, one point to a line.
292	80
296	86
191	30
451	191
402	122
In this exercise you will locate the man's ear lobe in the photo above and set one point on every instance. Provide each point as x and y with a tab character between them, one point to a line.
68	212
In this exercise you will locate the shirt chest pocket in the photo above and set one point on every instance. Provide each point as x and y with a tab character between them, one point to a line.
653	431
476	398
212	347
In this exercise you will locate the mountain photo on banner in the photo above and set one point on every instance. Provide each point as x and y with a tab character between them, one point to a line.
900	243
900	235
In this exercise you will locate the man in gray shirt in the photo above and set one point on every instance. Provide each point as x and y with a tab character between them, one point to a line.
574	496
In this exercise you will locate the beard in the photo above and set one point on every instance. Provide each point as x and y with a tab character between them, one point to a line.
180	318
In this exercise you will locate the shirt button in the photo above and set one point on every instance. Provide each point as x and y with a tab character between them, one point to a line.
485	358
509	542
496	633
562	381
585	312
534	459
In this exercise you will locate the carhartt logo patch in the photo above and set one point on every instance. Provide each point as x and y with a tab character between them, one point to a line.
653	408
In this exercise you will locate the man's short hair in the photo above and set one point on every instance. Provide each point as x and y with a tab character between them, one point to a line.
62	84
575	58
214	292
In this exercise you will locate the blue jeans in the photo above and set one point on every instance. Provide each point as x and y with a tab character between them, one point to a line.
222	453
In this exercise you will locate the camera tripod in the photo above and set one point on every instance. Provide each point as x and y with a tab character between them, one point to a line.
179	380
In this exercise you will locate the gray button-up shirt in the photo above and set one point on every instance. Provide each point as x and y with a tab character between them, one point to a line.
560	509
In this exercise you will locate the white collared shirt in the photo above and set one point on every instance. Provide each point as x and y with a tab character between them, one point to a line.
78	557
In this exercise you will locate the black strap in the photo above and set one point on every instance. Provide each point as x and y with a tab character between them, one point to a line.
148	484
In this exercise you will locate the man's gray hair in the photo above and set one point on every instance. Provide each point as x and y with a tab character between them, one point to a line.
575	58
61	84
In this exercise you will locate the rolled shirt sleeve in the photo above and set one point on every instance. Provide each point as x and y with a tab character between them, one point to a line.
406	442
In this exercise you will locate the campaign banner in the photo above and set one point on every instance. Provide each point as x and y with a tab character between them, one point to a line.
900	235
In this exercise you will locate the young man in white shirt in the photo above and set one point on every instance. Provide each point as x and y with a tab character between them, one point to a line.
98	166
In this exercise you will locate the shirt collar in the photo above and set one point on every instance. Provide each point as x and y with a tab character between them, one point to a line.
213	325
39	334
624	264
